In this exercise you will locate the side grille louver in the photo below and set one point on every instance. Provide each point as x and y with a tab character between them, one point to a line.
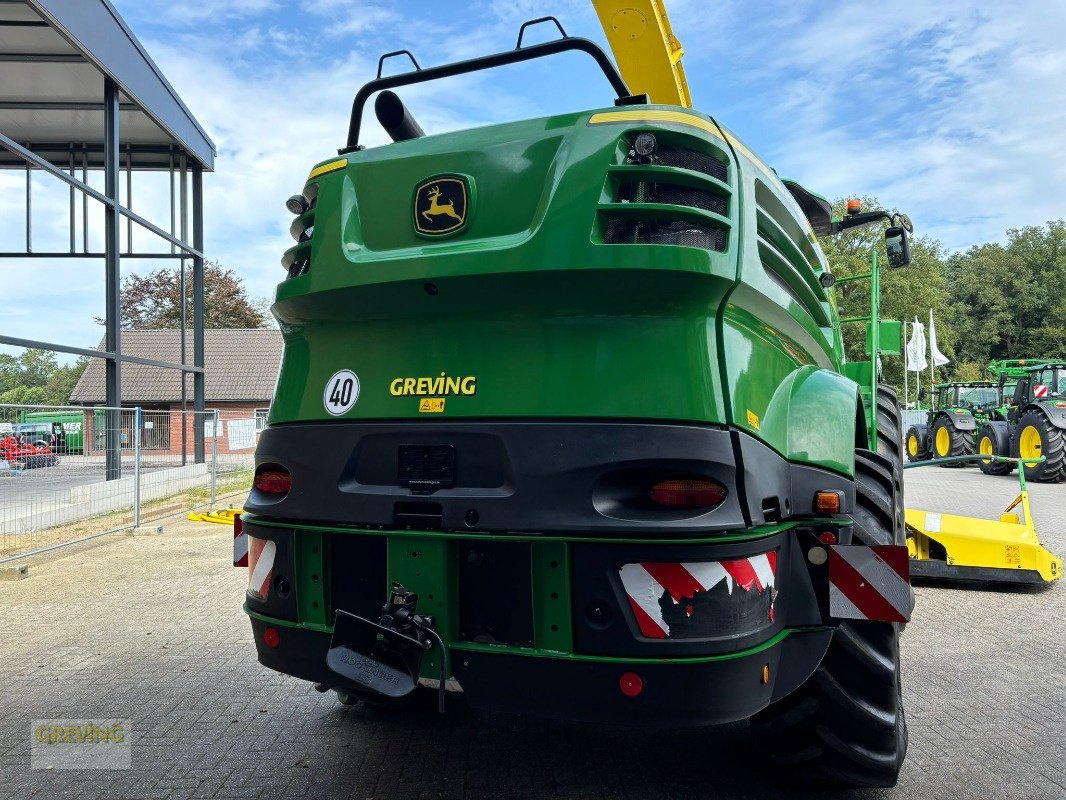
680	198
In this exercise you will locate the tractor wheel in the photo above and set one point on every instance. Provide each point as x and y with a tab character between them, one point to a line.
846	725
1038	437
993	440
917	449
947	440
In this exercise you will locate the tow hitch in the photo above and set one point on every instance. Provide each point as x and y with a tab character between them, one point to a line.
384	658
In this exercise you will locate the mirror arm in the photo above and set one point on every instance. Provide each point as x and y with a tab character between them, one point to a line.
862	219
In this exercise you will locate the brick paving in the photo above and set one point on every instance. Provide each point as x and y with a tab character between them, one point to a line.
150	629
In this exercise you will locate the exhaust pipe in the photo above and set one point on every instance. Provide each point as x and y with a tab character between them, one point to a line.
395	118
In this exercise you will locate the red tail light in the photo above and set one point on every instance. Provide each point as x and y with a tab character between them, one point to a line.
273	481
688	493
631	684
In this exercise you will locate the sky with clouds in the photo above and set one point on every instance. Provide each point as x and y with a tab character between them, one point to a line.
953	112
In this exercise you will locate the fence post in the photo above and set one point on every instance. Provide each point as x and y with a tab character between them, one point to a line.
137	467
214	459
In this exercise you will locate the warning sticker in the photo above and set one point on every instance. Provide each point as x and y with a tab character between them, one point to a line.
431	405
1012	554
753	419
932	522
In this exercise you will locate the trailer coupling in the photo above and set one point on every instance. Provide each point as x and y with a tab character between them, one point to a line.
384	658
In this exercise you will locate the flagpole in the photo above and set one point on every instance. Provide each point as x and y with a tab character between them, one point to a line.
906	392
931	358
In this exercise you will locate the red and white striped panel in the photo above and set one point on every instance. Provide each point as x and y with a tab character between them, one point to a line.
1040	390
240	543
646	582
261	554
869	582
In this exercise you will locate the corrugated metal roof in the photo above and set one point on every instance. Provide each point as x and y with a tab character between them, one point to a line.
240	365
54	54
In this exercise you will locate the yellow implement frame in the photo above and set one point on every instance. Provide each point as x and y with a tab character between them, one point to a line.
224	516
647	52
970	549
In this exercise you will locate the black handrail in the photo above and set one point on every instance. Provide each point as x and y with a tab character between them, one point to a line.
515	56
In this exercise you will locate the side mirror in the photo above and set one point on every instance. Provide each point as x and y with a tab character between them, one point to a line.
899	250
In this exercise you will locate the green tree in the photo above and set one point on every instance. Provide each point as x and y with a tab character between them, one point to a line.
36	378
1010	300
154	301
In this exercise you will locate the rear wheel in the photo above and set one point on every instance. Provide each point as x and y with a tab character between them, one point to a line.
950	441
846	724
993	441
1038	437
917	450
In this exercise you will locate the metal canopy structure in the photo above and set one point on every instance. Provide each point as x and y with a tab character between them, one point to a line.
78	93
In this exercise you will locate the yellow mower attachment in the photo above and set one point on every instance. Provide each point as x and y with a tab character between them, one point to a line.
223	516
970	549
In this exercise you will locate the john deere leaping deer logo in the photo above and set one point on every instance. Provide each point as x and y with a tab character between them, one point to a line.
441	205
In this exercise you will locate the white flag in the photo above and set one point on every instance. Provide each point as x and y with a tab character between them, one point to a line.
939	359
916	348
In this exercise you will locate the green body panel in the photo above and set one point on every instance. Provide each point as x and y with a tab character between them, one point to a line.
427	563
552	321
890	337
806	415
552	625
311	589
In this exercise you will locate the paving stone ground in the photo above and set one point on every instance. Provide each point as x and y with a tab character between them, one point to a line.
150	629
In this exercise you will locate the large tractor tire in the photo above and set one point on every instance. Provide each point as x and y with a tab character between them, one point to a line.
916	445
845	726
1038	437
993	439
889	423
947	440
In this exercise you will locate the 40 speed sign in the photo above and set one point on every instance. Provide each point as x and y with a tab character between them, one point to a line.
342	390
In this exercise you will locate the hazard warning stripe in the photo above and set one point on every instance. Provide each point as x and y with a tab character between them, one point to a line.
869	583
1040	390
261	554
240	547
646	583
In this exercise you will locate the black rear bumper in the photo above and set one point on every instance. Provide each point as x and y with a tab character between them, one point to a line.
545	476
675	693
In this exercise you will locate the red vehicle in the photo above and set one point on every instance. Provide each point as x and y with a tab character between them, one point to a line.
14	451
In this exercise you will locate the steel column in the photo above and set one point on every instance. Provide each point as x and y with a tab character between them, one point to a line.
112	280
199	404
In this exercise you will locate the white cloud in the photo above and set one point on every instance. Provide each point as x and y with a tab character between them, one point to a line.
953	113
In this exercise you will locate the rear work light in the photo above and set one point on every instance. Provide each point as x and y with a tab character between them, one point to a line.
688	493
273	480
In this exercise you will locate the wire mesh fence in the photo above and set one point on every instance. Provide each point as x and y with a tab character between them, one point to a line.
57	485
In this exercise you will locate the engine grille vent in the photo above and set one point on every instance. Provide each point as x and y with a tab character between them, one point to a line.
642	192
679	232
684	158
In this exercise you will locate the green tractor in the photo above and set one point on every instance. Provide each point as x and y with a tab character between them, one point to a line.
950	429
1033	425
563	426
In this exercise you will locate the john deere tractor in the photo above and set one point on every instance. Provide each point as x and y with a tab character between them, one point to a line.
958	410
563	427
1034	424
